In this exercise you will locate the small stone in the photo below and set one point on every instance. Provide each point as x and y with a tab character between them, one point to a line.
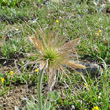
91	68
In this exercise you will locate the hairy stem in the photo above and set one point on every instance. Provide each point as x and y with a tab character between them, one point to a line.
40	89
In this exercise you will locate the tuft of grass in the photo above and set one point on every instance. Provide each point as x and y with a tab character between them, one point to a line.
11	3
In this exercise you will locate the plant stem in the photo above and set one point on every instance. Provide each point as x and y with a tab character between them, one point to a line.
40	89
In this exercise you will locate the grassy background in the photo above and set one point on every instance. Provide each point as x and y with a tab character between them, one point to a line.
77	19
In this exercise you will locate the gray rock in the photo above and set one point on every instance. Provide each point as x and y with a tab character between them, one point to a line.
91	69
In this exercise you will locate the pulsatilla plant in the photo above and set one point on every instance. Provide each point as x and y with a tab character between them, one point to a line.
55	54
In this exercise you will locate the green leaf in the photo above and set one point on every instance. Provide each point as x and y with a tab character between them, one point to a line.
53	95
41	1
1	75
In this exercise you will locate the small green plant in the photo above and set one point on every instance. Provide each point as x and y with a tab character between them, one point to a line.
10	3
48	103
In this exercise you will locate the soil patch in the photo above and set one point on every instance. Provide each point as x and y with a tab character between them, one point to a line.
14	97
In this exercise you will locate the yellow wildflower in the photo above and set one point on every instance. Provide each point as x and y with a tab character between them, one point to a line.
97	34
85	84
95	108
11	73
99	31
36	70
2	79
57	21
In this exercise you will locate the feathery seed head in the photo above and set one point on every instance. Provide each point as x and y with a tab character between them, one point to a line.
55	52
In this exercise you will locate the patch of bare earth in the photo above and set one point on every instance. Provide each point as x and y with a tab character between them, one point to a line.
14	97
